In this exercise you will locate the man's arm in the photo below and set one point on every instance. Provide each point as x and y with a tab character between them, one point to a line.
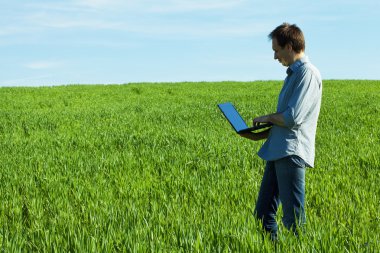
256	136
274	118
305	96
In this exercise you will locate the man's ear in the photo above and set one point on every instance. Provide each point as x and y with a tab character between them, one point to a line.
289	47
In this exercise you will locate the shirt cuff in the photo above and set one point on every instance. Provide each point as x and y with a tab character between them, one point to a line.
288	116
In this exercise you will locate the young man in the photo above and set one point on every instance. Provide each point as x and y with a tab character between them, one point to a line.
290	144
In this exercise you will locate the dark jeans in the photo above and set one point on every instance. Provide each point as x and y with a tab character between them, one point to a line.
283	180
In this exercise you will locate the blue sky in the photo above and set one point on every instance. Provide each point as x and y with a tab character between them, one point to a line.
113	41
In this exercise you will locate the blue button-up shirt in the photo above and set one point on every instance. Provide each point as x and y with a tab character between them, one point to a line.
299	102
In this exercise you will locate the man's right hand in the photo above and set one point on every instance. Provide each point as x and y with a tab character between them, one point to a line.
256	136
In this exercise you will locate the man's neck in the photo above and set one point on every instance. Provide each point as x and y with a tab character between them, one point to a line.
297	56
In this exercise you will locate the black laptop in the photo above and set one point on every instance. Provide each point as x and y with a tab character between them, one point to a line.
237	121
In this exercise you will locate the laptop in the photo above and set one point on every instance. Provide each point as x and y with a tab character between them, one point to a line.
237	122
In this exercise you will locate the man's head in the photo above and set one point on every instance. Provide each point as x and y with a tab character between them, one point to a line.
288	43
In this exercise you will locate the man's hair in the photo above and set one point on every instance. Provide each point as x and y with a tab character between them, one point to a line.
287	34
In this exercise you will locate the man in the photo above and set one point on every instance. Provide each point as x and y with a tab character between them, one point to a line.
290	144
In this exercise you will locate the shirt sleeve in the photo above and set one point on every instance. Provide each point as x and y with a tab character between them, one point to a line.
304	97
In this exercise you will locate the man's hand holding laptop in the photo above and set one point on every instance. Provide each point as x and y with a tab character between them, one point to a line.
256	136
275	118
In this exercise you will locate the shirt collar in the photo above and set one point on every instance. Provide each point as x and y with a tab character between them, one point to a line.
298	63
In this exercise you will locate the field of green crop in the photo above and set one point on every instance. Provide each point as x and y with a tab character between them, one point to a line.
156	168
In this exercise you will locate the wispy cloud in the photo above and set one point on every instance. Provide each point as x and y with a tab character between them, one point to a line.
28	81
12	30
69	21
101	4
41	65
159	6
144	17
197	5
201	30
148	17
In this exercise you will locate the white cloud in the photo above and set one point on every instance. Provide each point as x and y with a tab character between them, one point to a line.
28	81
40	65
144	17
101	4
159	5
234	18
11	30
201	30
195	5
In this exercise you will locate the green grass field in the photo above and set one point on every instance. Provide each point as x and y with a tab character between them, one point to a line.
156	168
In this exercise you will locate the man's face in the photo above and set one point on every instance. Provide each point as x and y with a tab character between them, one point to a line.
283	55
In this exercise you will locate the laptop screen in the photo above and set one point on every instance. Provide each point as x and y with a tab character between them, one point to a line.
233	116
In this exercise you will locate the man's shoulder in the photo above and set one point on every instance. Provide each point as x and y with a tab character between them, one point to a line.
308	69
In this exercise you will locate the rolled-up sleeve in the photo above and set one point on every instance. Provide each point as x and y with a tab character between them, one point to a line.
303	98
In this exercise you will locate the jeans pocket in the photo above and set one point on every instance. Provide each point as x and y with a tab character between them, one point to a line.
297	160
